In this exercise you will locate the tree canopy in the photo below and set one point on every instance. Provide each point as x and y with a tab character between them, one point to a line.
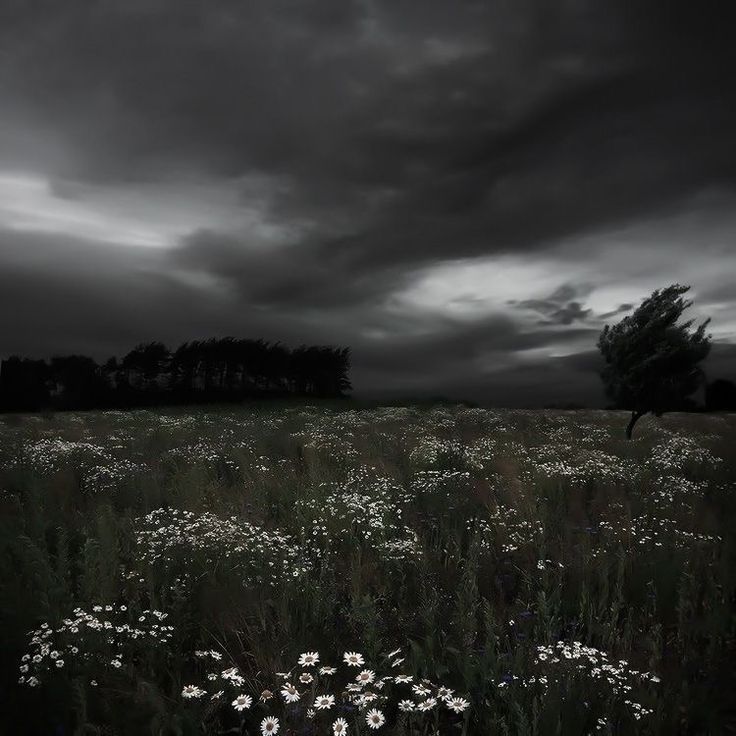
651	358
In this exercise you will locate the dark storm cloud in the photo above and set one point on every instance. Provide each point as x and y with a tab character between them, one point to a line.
621	309
377	138
560	307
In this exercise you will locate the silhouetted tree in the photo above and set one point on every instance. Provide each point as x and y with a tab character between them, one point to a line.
23	384
651	361
720	395
77	382
145	366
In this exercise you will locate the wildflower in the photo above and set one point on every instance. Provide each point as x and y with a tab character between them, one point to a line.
93	683
59	663
217	695
270	724
444	692
265	695
308	659
192	691
421	690
427	704
406	705
290	693
397	662
327	670
242	702
365	677
375	718
340	726
403	679
306	678
391	655
457	704
353	659
324	702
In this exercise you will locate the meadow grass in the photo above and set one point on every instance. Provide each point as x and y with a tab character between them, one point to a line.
497	572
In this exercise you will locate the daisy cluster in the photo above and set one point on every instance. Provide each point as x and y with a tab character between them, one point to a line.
447	485
507	528
650	531
365	506
554	662
98	468
335	695
437	453
679	453
203	453
106	478
671	491
102	636
47	456
263	557
579	465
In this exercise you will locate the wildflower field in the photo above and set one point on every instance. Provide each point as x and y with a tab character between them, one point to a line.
333	570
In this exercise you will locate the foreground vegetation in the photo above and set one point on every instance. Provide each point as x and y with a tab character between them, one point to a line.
308	570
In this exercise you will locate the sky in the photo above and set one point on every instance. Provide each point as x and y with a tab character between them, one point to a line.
462	192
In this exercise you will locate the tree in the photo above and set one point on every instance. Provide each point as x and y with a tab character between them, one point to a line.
720	395
651	361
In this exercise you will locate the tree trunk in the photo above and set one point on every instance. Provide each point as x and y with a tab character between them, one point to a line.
635	417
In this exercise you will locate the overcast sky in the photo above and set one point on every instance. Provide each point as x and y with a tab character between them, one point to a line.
464	192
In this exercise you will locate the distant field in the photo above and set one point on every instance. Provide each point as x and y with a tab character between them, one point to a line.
491	572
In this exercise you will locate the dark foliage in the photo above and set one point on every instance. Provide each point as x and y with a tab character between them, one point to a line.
226	369
720	395
651	361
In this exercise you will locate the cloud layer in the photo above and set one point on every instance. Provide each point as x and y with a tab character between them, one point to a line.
464	192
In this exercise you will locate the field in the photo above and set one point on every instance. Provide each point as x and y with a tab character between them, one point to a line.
316	570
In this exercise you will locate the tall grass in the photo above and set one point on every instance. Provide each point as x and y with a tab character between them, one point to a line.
481	544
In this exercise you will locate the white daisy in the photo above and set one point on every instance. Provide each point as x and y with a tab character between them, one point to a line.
324	702
242	702
327	670
290	693
340	726
308	659
305	677
406	705
444	692
353	659
374	718
192	691
457	704
269	725
365	677
403	678
427	704
421	690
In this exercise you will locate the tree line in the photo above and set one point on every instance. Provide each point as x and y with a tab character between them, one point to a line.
226	369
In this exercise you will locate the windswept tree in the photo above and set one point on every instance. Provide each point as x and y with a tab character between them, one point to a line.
651	358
